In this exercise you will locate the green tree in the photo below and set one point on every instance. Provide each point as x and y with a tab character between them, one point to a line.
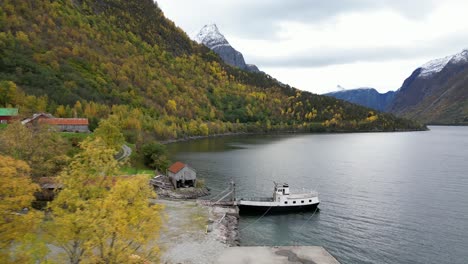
155	156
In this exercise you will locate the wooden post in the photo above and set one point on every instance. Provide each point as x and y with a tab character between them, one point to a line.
233	187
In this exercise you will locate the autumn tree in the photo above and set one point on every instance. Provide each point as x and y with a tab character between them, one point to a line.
127	226
100	218
109	131
42	149
7	93
84	181
18	220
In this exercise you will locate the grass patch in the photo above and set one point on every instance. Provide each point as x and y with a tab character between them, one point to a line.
3	126
200	183
133	171
74	140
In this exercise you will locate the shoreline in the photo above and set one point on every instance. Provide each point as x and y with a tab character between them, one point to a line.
287	132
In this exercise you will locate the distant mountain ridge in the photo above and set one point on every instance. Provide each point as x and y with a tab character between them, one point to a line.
211	37
436	92
368	97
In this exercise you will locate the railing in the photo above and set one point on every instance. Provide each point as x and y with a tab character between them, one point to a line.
258	199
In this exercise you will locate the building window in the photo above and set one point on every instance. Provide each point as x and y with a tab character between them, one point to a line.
302	201
286	202
294	202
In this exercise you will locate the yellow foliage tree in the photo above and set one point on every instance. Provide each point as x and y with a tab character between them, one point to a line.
128	225
109	131
84	181
43	150
171	106
18	221
101	218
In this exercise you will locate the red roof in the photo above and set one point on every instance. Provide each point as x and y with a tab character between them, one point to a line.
64	121
176	167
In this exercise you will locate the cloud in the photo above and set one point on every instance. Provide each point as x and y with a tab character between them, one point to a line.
311	58
261	19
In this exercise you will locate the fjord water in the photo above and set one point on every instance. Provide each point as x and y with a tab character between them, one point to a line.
385	197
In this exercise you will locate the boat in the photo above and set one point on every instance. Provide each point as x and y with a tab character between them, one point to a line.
282	201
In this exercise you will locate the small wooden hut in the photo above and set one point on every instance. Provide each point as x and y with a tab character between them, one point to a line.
182	175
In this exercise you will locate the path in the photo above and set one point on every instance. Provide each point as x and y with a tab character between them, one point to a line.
124	153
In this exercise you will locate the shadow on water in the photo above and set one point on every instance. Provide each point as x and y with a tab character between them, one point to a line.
285	229
221	144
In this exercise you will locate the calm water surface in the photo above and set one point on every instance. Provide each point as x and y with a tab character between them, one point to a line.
385	197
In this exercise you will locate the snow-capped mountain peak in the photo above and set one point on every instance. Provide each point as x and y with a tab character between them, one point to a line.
435	66
460	57
210	36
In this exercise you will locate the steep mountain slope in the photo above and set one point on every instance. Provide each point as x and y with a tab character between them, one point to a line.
436	92
368	97
96	58
210	36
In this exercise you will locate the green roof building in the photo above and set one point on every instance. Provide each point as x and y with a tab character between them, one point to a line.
7	114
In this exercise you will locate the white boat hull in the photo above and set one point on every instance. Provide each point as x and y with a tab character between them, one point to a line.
252	206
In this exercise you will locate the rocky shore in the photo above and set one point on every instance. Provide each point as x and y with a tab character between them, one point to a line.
183	193
224	223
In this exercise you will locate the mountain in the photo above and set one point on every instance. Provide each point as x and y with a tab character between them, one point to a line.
210	36
368	97
436	92
87	58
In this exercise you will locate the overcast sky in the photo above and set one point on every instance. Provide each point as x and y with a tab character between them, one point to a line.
316	45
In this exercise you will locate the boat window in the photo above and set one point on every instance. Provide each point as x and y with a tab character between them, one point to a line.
286	202
310	201
294	202
302	201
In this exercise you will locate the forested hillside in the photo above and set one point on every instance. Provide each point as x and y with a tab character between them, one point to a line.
91	58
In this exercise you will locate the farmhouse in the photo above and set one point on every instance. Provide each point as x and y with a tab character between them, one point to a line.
7	114
182	175
61	124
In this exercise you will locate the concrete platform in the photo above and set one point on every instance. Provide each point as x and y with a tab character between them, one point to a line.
276	255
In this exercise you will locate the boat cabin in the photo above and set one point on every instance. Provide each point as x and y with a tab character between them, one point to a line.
281	190
283	196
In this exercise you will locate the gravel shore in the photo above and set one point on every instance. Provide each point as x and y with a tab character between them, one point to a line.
194	233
